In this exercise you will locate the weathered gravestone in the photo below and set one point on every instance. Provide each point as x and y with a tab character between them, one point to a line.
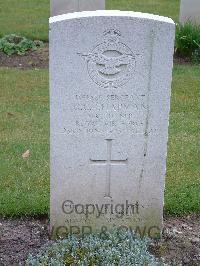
190	11
59	7
110	78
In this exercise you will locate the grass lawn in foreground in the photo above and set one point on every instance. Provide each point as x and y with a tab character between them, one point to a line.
24	124
183	169
30	17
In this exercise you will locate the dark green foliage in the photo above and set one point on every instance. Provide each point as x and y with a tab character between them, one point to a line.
188	41
14	44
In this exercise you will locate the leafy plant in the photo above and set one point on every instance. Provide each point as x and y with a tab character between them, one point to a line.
14	44
119	247
188	41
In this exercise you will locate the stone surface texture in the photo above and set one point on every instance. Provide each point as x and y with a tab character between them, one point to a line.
59	7
110	80
190	11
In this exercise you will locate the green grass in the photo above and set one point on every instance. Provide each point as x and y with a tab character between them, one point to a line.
183	175
30	17
24	124
26	17
168	8
188	41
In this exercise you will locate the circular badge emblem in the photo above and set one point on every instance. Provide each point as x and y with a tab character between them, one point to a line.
112	63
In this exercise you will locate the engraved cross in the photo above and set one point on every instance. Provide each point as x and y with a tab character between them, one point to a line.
109	163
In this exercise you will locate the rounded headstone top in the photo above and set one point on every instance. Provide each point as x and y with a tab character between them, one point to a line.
110	13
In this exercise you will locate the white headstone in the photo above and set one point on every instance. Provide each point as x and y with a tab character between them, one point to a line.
190	11
59	7
110	78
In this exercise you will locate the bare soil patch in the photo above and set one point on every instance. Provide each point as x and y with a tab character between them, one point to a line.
33	59
180	244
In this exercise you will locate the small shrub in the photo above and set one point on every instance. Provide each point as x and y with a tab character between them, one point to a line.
188	41
116	248
14	44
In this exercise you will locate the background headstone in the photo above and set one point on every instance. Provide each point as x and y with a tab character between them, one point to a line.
110	79
59	7
190	10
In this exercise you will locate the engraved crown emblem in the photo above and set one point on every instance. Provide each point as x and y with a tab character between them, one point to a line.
112	35
112	63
